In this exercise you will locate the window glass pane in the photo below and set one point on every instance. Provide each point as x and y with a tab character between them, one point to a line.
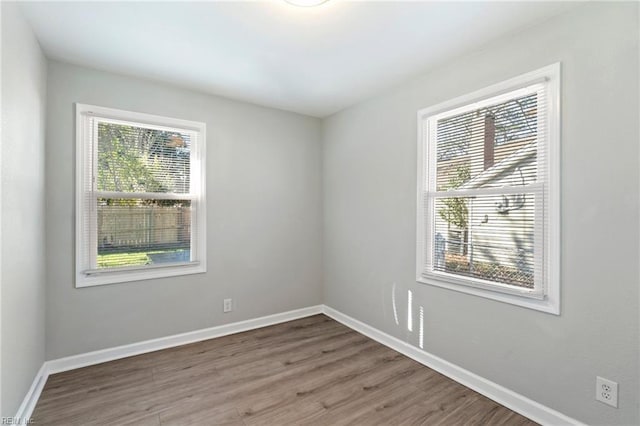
488	147
133	232
136	159
490	237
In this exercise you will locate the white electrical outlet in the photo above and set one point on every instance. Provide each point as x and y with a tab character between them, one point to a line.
228	305
607	391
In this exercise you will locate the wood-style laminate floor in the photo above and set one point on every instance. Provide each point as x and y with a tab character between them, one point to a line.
312	371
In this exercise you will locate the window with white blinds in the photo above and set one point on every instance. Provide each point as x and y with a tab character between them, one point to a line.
488	192
140	190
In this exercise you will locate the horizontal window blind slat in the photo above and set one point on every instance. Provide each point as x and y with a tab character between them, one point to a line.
184	127
489	238
534	86
144	195
506	190
132	158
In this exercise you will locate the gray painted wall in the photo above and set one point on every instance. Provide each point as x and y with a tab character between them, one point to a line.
369	219
24	71
263	214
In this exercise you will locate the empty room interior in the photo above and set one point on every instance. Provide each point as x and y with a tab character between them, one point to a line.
320	212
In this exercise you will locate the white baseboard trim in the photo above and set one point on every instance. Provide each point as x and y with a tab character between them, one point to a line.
31	399
518	403
110	354
510	399
96	357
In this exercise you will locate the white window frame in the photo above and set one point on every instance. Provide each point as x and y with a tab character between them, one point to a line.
547	237
87	275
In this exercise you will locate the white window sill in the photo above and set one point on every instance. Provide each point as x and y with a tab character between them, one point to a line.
121	276
549	304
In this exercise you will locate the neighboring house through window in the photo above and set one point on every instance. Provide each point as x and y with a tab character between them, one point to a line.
140	210
488	192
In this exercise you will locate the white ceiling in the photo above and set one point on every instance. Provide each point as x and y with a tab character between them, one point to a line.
313	61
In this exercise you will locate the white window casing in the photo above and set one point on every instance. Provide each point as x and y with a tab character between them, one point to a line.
511	202
91	198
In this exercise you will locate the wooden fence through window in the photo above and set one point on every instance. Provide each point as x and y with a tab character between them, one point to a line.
141	228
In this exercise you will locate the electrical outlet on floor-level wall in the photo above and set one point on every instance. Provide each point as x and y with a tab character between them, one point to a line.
227	305
607	391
